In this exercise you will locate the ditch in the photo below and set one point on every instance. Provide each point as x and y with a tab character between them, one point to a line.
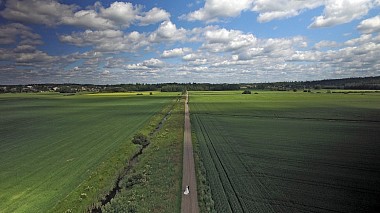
131	163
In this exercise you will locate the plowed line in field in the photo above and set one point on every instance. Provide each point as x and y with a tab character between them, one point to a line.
261	184
292	204
290	117
325	164
260	187
265	198
224	170
214	161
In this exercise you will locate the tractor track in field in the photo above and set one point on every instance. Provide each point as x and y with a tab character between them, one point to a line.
268	199
290	117
281	203
224	171
208	150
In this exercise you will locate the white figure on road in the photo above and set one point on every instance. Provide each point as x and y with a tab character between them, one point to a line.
187	191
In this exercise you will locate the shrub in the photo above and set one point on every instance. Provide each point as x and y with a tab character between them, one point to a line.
140	139
136	179
246	92
83	195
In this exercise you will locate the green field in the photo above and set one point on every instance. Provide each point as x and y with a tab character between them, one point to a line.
289	152
50	143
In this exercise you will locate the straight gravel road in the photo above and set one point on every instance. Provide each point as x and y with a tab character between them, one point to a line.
189	201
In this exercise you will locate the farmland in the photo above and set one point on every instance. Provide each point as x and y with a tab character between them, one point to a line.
51	144
288	151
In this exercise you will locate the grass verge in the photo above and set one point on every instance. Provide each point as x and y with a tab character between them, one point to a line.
154	184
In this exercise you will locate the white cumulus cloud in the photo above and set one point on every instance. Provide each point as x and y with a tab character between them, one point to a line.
280	9
342	11
149	64
112	40
191	57
167	31
9	34
223	40
154	15
88	19
48	12
53	13
215	9
153	63
335	11
176	52
107	40
121	13
325	44
370	25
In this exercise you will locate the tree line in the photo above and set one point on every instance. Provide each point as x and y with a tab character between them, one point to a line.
359	83
362	83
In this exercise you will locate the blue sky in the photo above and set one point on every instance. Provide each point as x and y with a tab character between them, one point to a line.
217	41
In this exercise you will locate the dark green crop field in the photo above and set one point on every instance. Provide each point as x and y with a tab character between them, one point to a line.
289	152
50	143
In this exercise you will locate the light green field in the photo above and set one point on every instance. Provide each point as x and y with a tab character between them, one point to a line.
289	152
51	143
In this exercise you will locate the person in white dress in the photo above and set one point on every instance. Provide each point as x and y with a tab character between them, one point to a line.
187	191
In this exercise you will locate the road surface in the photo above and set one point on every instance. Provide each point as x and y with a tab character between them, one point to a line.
190	201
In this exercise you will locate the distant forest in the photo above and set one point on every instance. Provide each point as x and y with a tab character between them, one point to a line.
362	83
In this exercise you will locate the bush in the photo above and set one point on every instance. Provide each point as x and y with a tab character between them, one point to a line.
246	92
118	206
83	195
140	139
135	179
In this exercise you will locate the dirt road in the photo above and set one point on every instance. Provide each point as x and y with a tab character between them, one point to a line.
189	201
